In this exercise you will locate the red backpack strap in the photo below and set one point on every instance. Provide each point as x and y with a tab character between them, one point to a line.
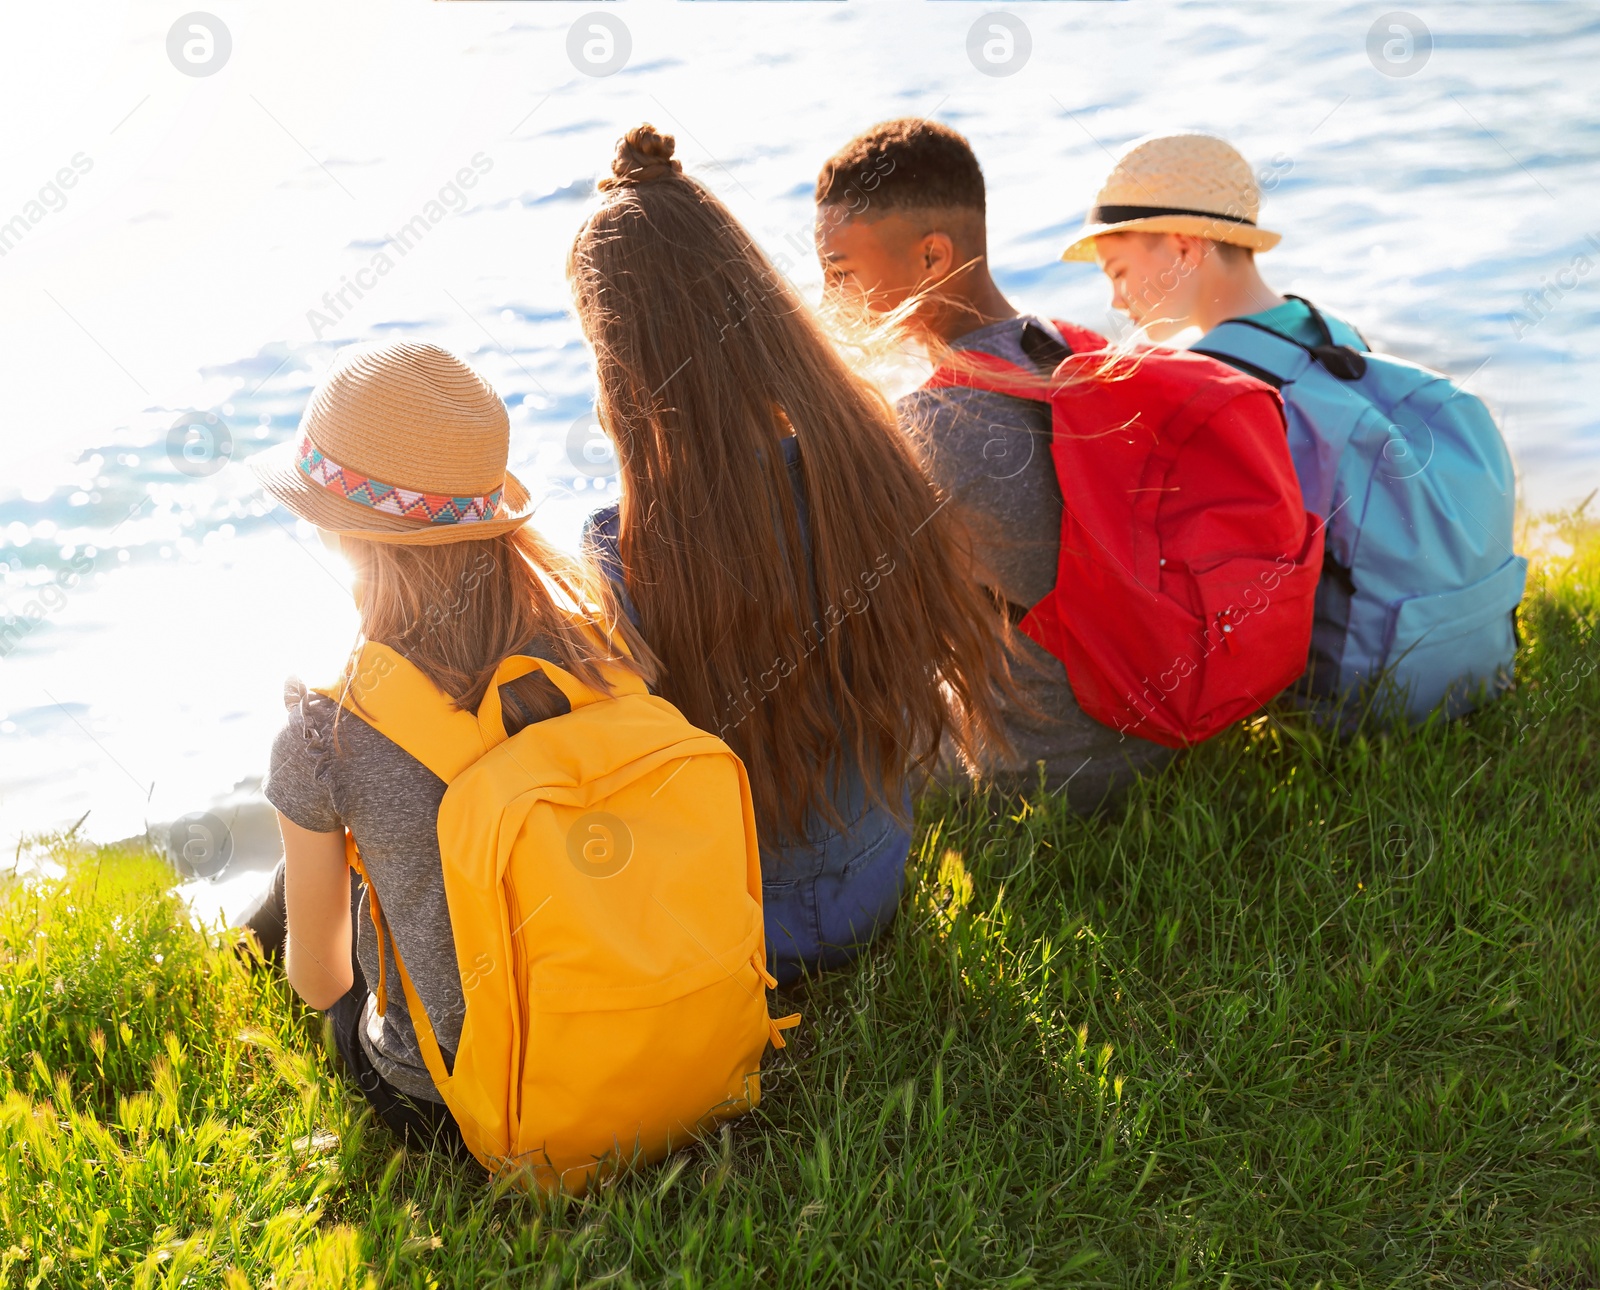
1080	340
980	371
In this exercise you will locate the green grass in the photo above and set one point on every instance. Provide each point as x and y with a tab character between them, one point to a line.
1301	1014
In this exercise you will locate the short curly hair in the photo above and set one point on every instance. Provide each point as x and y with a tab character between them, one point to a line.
908	164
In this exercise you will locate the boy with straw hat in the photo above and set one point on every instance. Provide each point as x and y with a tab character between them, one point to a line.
1415	610
1174	228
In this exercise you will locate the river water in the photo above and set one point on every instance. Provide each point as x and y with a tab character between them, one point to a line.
197	261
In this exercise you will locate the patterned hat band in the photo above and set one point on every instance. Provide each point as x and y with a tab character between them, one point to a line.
435	508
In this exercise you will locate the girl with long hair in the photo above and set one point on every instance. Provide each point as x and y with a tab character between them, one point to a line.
802	584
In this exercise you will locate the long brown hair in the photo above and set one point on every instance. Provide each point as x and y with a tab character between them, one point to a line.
877	646
457	610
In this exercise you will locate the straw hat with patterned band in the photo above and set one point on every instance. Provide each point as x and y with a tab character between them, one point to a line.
402	442
1178	183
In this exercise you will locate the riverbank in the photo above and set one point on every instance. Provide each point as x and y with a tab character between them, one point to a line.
1301	1013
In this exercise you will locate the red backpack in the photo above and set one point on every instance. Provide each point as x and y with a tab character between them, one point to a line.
1188	562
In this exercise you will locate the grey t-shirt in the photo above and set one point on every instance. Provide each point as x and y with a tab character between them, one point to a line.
991	452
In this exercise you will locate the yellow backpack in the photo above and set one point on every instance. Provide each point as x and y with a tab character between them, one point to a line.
605	897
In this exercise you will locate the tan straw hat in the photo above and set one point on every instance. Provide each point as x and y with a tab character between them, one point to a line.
402	442
1178	183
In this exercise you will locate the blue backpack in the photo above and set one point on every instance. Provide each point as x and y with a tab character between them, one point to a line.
1417	603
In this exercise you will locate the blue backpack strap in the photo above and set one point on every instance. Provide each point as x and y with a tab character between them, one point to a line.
1258	351
1335	331
1244	342
1345	362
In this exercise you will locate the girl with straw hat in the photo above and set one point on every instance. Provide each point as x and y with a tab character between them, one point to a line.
400	461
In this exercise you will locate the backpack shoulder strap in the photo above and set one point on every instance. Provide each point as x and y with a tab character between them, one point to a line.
1248	344
393	696
427	1041
980	371
1258	350
1043	344
491	722
1080	339
1334	331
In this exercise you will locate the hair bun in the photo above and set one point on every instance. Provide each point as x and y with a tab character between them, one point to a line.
643	155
